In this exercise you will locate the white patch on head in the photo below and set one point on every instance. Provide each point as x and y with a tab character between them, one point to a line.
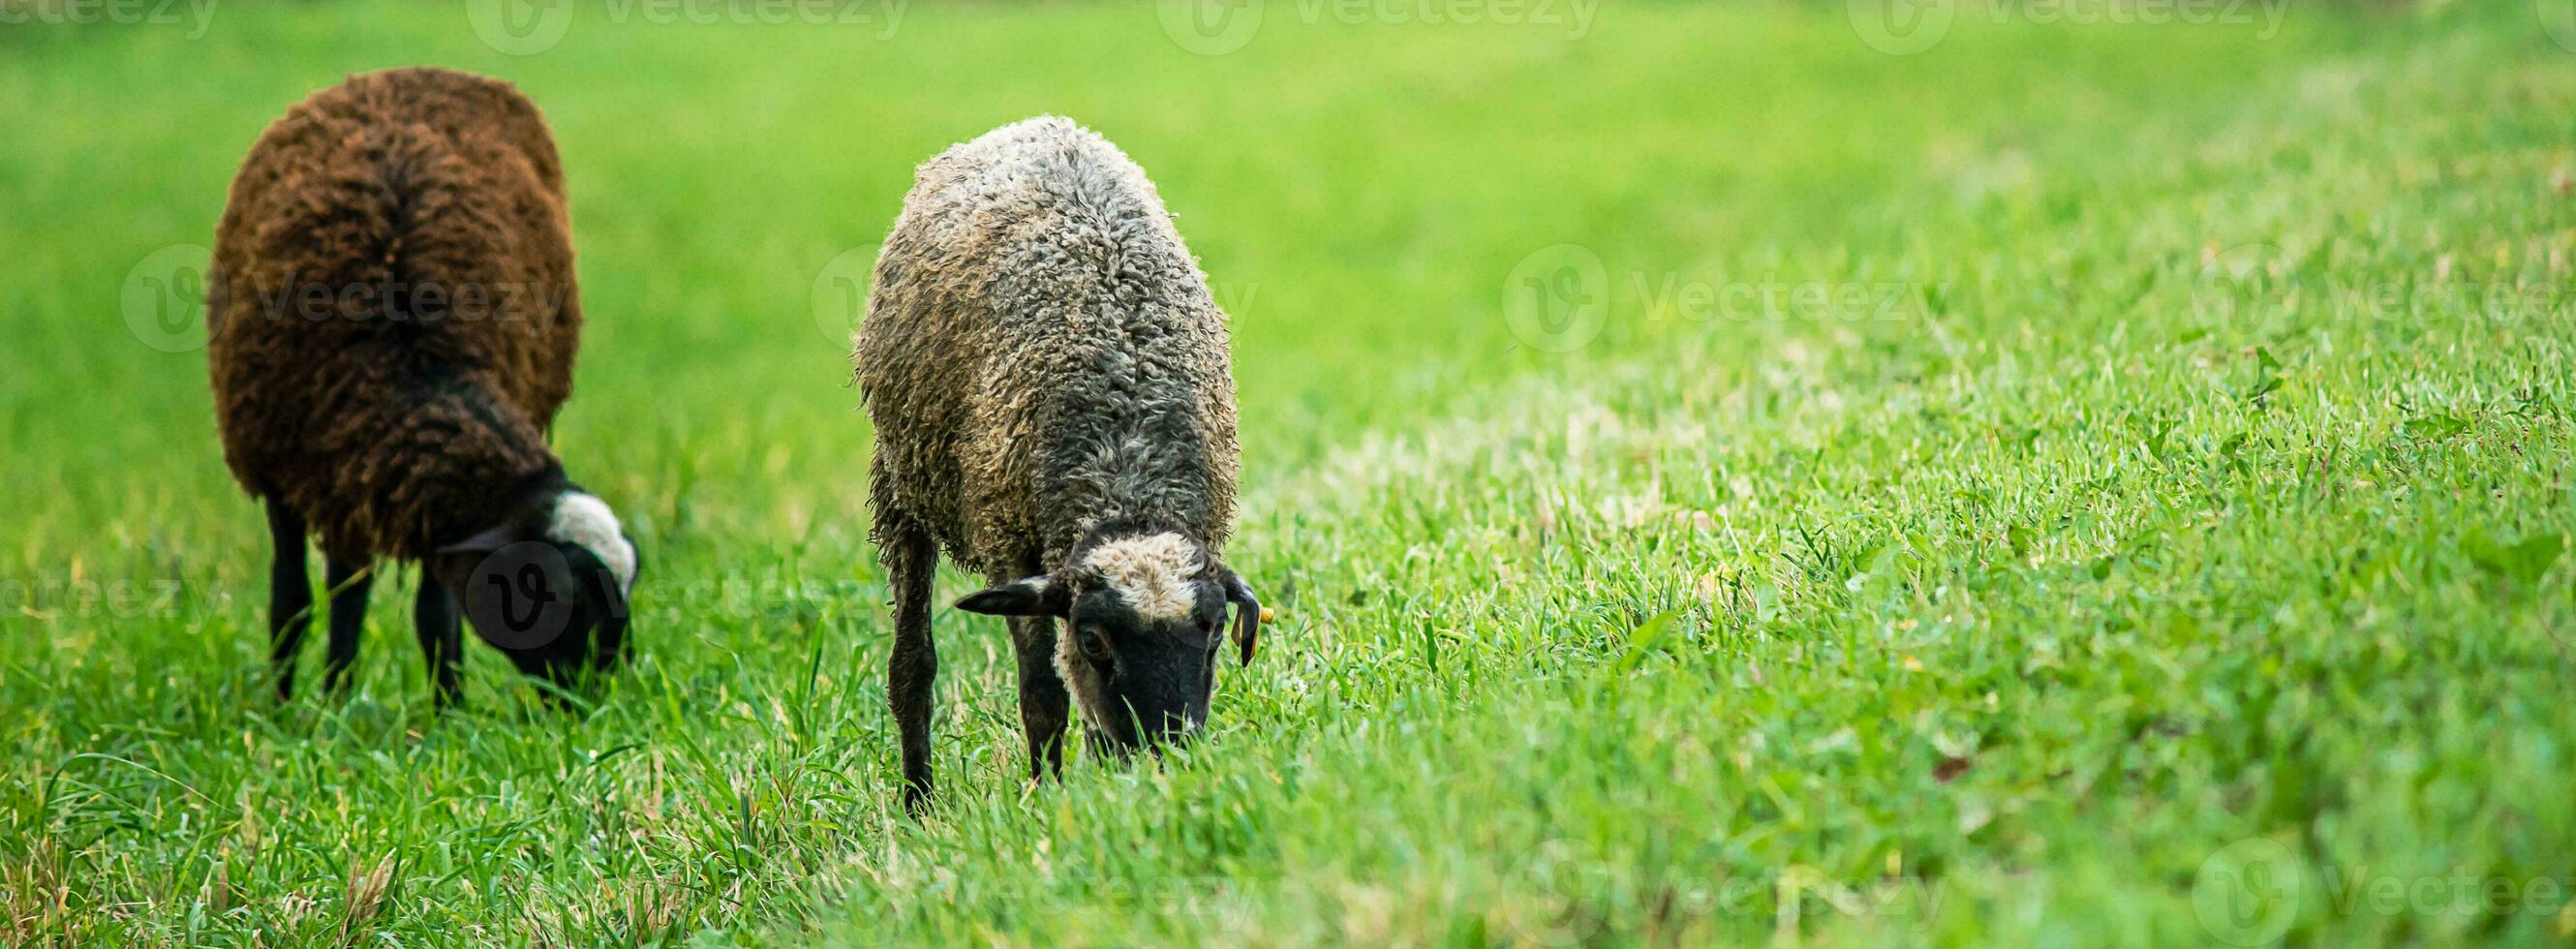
1151	572
582	519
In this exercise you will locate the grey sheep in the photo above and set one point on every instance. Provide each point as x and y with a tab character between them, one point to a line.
1048	378
392	324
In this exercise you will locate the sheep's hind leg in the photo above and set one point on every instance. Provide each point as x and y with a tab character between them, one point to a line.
910	560
290	596
442	639
349	582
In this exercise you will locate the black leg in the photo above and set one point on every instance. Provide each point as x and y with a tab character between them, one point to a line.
1043	700
290	596
348	582
910	559
442	638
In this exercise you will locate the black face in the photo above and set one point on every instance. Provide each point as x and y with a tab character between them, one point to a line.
1141	679
1144	680
555	609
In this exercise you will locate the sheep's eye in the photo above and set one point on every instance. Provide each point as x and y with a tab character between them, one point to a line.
1094	642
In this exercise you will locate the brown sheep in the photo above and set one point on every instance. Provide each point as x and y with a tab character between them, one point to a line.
1054	407
392	323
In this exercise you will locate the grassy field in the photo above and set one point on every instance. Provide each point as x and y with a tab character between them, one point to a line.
2075	484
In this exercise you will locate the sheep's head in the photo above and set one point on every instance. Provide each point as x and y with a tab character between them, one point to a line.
549	586
1143	618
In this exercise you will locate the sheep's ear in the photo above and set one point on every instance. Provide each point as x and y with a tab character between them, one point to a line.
1029	596
455	562
1247	614
483	543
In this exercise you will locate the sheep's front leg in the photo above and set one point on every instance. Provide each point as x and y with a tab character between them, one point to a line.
290	596
349	581
910	559
442	637
1043	701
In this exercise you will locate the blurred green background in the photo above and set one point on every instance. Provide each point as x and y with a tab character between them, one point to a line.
2118	539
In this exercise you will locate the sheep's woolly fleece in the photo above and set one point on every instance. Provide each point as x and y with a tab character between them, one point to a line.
389	427
586	520
1150	572
1041	354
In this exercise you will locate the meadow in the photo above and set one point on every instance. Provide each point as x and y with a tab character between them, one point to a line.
2077	483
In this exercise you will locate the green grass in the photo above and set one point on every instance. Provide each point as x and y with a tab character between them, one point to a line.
2184	499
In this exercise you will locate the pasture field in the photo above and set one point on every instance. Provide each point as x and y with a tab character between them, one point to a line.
2079	483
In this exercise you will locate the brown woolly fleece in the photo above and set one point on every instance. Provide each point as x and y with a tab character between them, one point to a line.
392	314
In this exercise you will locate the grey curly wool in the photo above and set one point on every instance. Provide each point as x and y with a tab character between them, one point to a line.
1041	354
1048	375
